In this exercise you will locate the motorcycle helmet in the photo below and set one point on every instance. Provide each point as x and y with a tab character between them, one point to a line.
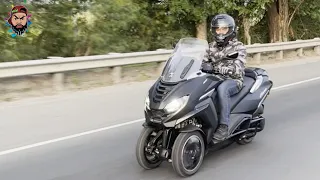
223	29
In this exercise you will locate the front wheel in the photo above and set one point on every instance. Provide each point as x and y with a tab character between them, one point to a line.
145	151
188	153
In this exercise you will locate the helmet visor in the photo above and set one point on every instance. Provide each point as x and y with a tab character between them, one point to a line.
220	30
221	27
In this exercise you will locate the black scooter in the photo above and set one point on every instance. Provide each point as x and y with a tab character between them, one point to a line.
181	110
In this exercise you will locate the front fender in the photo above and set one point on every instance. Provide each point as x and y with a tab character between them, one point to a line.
191	128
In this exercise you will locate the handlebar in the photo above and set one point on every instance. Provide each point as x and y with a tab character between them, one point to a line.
214	71
221	76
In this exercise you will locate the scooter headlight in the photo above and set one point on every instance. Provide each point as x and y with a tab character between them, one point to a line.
176	104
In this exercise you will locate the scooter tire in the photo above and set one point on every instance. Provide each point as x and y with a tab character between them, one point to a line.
244	141
178	153
141	153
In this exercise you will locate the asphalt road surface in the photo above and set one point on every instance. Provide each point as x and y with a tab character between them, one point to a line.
84	135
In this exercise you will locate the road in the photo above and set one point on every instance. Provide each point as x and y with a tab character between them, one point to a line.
287	148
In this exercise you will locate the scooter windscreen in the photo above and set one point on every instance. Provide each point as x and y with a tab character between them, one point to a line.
185	60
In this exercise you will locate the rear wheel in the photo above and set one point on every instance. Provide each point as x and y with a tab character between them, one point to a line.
248	137
188	153
146	152
245	139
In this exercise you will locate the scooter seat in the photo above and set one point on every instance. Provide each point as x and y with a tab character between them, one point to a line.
249	72
248	83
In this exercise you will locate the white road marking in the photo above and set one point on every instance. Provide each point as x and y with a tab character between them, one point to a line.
67	137
119	125
296	83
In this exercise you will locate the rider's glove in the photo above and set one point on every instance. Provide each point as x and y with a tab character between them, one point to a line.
207	67
226	70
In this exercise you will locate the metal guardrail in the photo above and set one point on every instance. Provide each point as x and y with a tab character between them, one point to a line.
269	47
22	68
59	65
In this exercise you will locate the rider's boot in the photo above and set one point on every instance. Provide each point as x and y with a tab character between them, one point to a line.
221	133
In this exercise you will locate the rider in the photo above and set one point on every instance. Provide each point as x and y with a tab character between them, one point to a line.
224	33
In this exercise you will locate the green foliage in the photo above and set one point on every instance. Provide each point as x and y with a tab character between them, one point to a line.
91	27
305	24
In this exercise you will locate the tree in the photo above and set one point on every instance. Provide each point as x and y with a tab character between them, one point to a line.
252	12
195	13
303	17
278	18
117	27
90	27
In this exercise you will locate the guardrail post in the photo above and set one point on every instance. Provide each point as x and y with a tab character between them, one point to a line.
116	74
257	58
300	52
160	67
317	50
58	81
279	54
